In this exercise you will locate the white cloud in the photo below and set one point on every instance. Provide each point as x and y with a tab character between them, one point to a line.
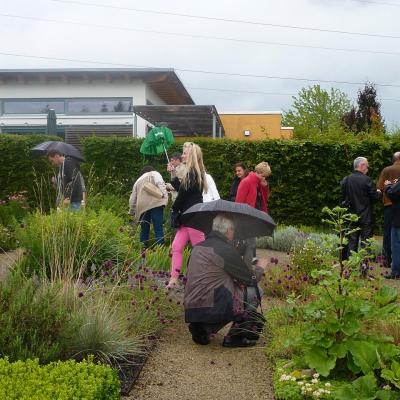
150	49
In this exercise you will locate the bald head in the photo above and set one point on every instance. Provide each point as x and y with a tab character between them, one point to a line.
396	156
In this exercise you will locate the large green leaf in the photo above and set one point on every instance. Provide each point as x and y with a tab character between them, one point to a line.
319	359
363	388
364	354
386	295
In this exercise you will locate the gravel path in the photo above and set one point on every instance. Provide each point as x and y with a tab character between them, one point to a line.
179	369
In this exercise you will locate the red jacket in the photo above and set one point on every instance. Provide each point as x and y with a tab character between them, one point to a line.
247	191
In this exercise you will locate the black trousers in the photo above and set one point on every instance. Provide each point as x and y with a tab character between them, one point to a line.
365	232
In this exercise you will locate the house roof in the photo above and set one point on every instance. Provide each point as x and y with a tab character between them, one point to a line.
164	81
183	120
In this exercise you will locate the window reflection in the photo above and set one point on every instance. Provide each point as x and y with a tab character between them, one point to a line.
98	106
33	107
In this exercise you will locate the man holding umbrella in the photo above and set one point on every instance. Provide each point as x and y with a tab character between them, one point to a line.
68	182
221	288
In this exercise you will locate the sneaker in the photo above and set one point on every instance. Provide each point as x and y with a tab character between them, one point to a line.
392	276
238	341
199	335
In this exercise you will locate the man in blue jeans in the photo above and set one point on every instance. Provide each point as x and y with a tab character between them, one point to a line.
392	190
389	173
147	201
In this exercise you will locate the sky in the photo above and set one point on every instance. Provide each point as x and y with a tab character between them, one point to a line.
273	48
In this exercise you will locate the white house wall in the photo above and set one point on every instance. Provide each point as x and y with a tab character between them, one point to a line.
136	90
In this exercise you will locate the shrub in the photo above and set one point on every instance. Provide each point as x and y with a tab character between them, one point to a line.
69	244
307	257
283	239
7	239
116	204
34	320
60	380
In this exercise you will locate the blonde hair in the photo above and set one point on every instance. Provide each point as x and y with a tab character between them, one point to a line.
264	169
194	163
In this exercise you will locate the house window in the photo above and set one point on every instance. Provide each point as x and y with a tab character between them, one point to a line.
33	106
98	106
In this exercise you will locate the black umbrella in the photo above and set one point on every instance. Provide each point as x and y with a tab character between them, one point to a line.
249	222
64	148
51	122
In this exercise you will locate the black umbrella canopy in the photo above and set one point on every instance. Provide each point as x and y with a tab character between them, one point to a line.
64	148
249	222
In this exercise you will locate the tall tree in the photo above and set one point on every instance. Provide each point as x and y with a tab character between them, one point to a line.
316	111
367	116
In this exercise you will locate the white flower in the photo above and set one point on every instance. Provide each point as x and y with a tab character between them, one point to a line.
327	384
300	383
315	380
387	387
316	376
316	394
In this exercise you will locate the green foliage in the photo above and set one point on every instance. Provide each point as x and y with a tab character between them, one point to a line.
392	375
316	112
27	380
365	388
19	170
334	336
323	165
33	320
291	384
283	239
73	243
118	205
7	238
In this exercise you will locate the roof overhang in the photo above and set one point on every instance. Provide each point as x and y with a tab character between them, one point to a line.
184	120
165	82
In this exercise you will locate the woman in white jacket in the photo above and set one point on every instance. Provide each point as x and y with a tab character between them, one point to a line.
212	191
147	201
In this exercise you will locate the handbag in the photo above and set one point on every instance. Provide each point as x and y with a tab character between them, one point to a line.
153	190
174	218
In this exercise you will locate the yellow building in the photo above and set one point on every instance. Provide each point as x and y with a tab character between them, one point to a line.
254	125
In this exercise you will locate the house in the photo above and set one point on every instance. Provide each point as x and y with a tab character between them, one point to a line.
86	101
254	125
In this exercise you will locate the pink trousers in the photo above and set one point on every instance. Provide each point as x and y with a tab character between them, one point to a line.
182	237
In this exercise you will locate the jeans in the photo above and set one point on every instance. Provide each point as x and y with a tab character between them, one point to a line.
155	216
75	205
387	228
395	238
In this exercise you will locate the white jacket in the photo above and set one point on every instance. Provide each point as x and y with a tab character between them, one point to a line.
212	193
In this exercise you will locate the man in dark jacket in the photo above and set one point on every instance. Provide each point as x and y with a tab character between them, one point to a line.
358	194
68	182
390	173
220	289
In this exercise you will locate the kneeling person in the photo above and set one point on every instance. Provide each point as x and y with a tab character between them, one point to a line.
220	289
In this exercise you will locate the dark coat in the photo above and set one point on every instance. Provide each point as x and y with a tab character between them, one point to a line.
393	192
215	272
359	191
69	177
234	188
187	197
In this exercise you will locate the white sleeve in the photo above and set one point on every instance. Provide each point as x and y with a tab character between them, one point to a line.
212	188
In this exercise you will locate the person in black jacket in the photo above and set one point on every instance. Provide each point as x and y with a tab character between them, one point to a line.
358	194
190	192
68	182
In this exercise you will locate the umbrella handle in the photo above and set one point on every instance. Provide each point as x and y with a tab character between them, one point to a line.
166	154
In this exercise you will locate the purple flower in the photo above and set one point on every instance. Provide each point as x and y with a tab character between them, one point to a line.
80	294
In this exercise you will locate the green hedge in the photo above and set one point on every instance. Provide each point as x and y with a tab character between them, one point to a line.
27	380
19	171
305	178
